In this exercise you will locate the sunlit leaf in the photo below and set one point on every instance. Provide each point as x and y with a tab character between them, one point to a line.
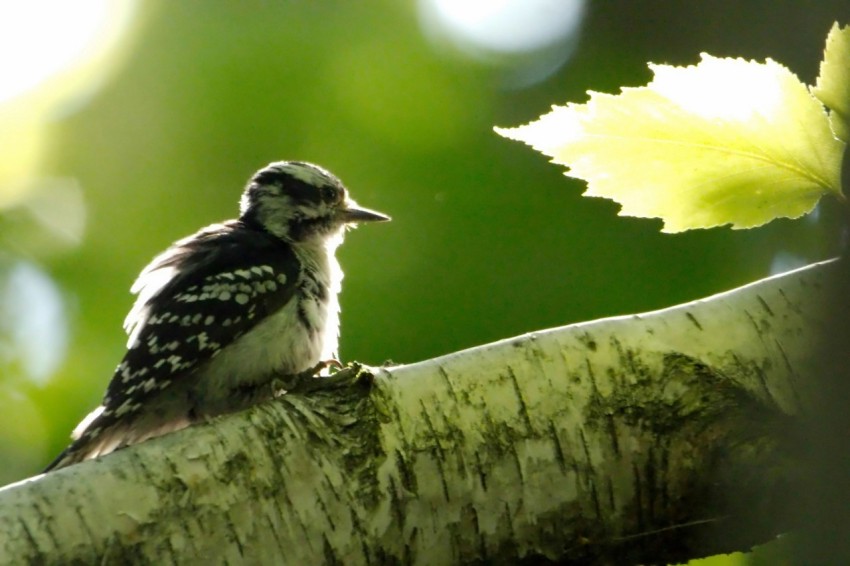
833	86
725	141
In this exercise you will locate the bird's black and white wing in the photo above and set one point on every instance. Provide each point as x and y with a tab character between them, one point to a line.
199	297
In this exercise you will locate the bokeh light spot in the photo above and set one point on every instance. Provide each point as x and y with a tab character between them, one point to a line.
530	38
33	322
57	54
50	37
508	26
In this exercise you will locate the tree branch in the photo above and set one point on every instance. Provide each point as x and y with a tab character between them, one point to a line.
646	438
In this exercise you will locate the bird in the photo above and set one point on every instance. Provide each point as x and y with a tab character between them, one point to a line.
222	313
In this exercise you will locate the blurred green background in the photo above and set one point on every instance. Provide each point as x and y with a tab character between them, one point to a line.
159	112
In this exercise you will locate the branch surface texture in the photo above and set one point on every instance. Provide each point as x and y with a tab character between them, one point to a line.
646	438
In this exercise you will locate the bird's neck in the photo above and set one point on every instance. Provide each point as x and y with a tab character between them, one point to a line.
318	255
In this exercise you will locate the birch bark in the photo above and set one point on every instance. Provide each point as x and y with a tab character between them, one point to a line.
655	438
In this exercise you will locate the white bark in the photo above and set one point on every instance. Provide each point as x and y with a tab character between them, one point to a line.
620	439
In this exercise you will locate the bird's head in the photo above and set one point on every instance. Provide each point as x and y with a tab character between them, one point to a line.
300	202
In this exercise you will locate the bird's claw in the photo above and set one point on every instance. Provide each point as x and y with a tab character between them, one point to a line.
309	381
323	365
282	384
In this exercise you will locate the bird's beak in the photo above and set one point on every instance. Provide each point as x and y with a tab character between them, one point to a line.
353	213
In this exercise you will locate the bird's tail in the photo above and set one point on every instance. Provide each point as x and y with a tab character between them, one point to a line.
101	433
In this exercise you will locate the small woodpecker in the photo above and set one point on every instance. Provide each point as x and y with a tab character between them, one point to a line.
223	312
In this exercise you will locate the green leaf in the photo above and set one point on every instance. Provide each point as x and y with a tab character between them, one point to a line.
725	141
833	85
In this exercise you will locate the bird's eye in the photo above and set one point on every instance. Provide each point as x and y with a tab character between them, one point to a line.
331	194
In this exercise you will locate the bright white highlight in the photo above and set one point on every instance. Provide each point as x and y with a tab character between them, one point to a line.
44	38
726	89
503	26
